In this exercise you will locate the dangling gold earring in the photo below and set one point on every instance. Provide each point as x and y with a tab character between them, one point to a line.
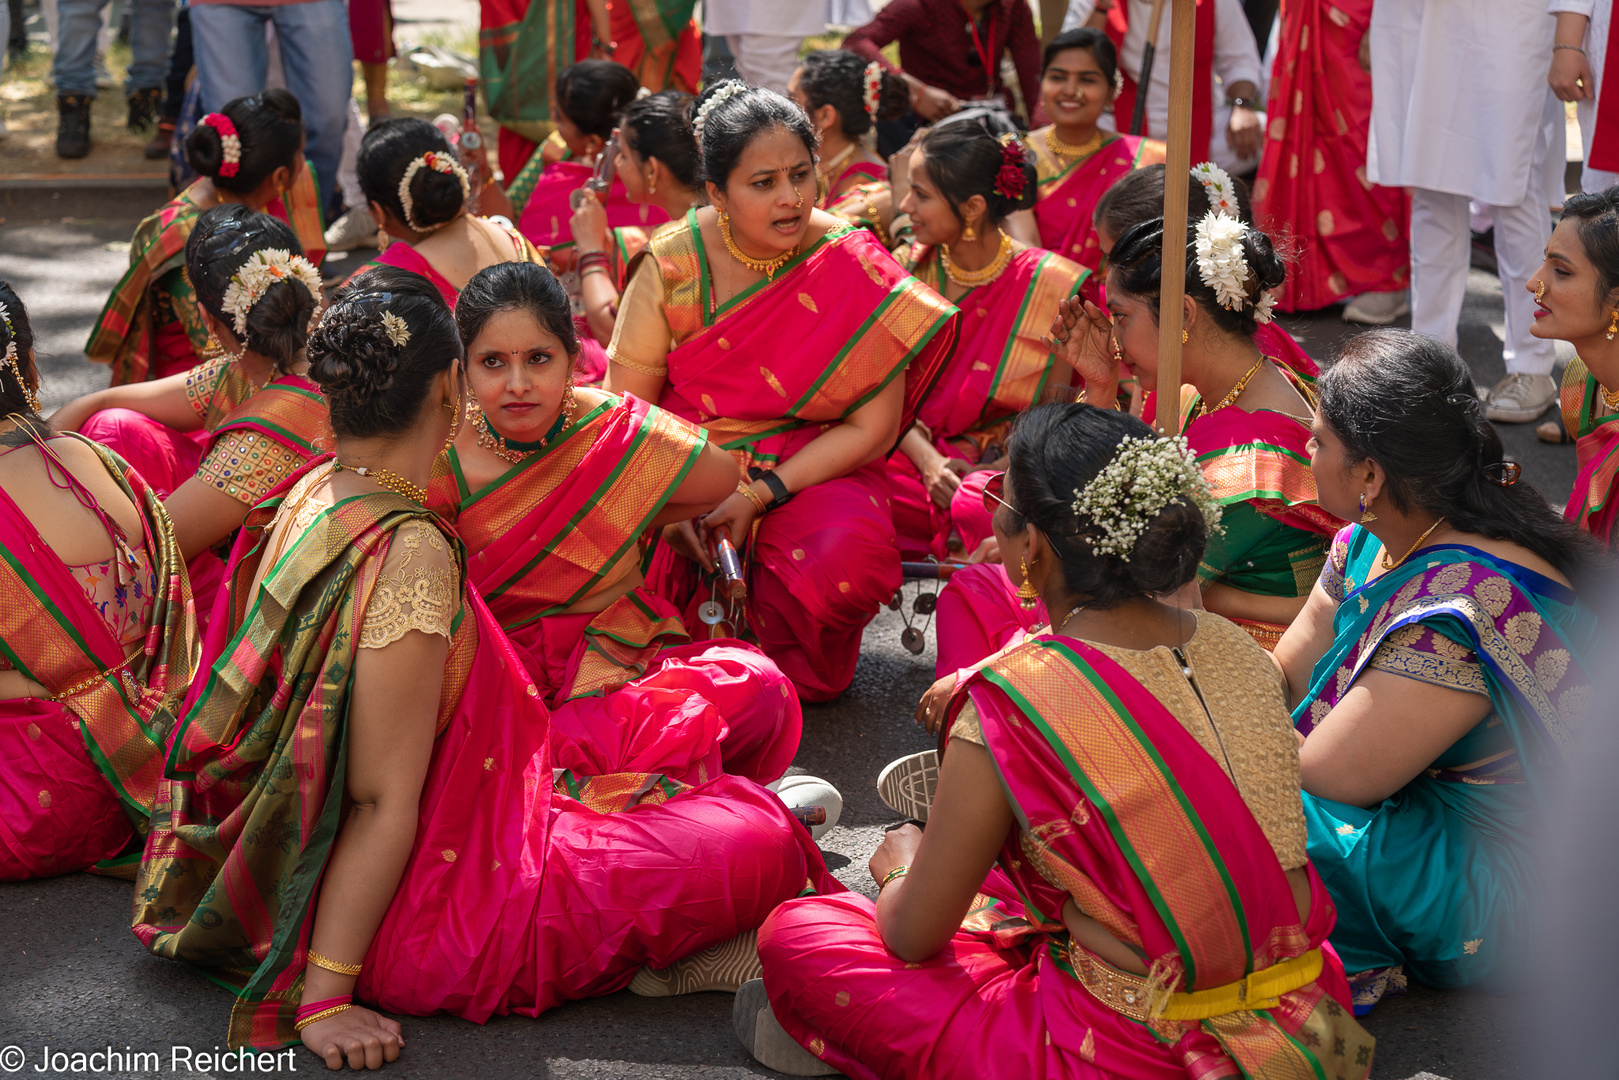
651	184
1185	337
1613	325
968	234
1366	516
1027	594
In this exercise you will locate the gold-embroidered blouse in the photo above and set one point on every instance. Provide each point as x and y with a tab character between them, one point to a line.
417	589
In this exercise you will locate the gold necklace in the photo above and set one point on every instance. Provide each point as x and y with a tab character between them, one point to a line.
1236	391
968	279
767	267
1059	148
1610	398
1408	551
831	170
389	479
513	450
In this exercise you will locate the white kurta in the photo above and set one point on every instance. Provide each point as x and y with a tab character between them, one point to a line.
1236	58
777	18
1600	14
1459	96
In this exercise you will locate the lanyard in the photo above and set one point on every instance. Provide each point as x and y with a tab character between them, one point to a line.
982	47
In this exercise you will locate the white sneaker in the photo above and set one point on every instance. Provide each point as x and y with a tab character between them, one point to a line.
763	1036
1378	308
1519	398
906	784
357	228
806	793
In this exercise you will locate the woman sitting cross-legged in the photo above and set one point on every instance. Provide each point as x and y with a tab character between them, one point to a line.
1132	771
1441	669
96	631
359	799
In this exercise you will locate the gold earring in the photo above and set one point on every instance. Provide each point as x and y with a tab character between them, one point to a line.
1366	516
1027	594
968	234
651	184
1185	337
1613	325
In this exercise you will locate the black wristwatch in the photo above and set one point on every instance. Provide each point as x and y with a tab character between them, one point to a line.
779	495
1243	103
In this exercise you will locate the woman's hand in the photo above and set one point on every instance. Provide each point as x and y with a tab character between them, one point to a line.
898	848
1082	336
988	551
683	537
357	1034
736	514
930	710
589	224
942	478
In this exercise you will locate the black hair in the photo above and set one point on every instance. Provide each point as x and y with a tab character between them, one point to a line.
1098	44
1408	403
964	160
1054	451
223	240
270	127
516	286
659	126
838	78
374	387
1138	196
1596	218
386	151
1136	264
14	397
738	120
594	93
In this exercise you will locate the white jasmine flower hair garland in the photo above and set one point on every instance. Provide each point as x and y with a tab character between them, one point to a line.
12	360
726	90
261	270
1224	268
1217	185
871	88
438	162
1145	476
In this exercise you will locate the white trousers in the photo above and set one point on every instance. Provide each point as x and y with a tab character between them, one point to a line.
1441	249
767	60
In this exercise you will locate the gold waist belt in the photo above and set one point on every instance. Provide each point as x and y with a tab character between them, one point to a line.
1130	995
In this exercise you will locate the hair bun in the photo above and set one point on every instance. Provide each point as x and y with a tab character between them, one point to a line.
351	355
205	150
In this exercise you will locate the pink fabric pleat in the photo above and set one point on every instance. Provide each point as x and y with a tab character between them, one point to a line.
165	458
978	615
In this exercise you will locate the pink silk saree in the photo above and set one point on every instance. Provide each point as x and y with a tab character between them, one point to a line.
79	771
1351	236
565	525
1069	194
545	218
1001	367
1121	810
1592	505
766	373
506	903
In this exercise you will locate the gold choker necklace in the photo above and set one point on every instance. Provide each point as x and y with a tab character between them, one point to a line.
1236	391
389	479
969	279
1059	148
1610	398
511	449
767	267
829	172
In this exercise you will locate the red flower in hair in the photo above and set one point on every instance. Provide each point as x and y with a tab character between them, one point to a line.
1010	180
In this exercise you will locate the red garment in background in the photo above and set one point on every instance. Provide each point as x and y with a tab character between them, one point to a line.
1124	105
934	44
1349	236
371	28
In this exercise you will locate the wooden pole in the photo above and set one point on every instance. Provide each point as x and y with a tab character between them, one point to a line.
1177	170
1149	54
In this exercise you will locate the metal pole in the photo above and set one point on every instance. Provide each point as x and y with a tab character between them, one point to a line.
1177	171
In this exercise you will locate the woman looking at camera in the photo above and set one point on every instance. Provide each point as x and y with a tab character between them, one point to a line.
802	347
1112	881
359	797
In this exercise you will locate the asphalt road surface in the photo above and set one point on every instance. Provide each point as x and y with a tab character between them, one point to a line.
72	977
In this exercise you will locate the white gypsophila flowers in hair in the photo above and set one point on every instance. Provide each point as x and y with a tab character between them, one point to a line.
1220	261
1146	475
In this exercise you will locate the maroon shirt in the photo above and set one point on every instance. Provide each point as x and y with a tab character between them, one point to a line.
936	46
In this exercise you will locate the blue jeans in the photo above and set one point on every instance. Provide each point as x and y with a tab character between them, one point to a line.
316	55
75	66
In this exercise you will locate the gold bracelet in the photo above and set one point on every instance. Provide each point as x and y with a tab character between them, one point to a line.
322	1015
898	872
746	488
644	369
332	965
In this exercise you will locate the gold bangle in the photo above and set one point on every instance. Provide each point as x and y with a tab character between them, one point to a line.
331	965
898	872
322	1015
592	269
644	369
746	488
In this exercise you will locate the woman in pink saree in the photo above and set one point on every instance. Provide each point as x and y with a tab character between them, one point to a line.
552	487
960	187
802	347
1112	882
95	633
1078	161
422	854
218	438
845	97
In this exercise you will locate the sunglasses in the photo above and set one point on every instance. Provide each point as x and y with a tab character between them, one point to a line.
995	488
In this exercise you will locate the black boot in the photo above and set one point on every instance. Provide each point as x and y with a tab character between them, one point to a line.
73	126
143	107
